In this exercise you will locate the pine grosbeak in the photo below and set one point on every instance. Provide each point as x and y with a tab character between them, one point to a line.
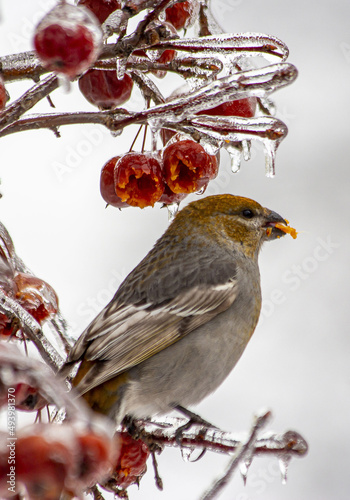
180	321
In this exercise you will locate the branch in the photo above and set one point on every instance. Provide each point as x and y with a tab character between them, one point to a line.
238	86
164	433
243	450
32	330
28	100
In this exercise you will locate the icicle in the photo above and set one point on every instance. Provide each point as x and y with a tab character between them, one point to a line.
246	149
202	190
270	157
64	83
244	468
116	133
186	453
172	210
235	156
283	463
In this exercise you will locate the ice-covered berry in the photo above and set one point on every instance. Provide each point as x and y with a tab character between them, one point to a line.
101	8
182	15
103	89
138	179
68	39
240	107
187	167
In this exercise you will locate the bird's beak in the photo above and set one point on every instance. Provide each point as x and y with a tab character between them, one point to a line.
272	218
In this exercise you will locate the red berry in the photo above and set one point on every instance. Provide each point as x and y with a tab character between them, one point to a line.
131	464
182	15
3	94
7	327
107	186
101	8
103	89
68	39
28	398
169	197
240	107
42	464
36	296
167	56
138	179
93	455
187	167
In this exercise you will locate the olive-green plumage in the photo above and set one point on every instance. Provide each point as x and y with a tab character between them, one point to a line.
181	319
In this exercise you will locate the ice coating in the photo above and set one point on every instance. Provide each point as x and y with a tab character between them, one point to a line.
258	83
234	44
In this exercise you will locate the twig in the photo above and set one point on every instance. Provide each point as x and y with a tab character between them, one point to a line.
237	86
32	330
164	433
28	100
243	450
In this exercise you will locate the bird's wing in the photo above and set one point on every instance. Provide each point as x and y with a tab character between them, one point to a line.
124	335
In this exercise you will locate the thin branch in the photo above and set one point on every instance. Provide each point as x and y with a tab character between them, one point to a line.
28	100
164	433
32	330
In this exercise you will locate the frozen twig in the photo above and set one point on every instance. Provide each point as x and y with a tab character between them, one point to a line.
243	450
32	330
28	100
238	86
164	433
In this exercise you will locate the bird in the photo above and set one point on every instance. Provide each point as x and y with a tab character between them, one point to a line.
180	321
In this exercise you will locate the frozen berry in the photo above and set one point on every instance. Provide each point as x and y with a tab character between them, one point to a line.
28	398
36	296
187	167
42	462
93	456
8	327
240	107
103	89
182	15
169	197
138	179
101	8
131	464
107	186
3	94
68	39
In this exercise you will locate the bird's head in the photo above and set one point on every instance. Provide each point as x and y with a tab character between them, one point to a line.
232	220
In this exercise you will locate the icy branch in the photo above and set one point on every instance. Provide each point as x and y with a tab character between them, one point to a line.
32	330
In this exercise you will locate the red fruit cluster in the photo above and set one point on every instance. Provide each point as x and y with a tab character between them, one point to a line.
33	294
131	464
54	459
142	179
182	15
102	88
101	8
68	39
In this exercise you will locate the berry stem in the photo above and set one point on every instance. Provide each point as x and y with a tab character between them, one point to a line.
135	139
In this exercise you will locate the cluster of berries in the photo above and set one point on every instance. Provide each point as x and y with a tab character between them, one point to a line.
54	460
68	40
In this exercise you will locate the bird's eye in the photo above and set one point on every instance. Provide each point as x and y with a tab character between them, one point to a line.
247	213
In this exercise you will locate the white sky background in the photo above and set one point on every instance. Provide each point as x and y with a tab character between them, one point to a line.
297	363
